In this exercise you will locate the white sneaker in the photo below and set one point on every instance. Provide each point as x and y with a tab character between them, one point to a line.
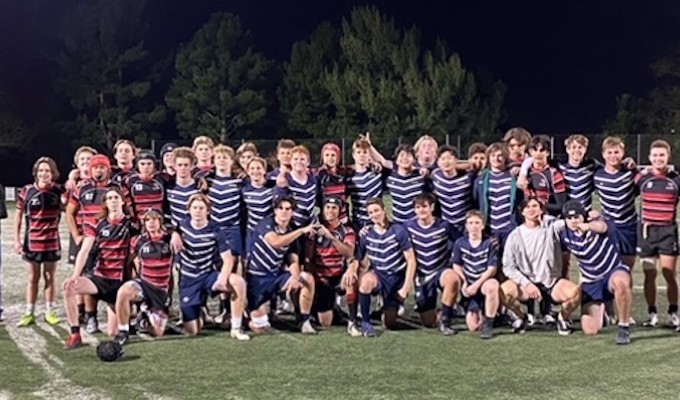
673	320
652	321
307	328
531	320
353	330
92	326
631	321
401	311
238	334
548	320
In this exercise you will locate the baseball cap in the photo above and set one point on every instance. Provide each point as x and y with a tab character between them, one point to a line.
573	208
167	148
100	159
333	200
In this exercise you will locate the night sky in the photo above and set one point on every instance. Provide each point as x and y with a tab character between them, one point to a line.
563	62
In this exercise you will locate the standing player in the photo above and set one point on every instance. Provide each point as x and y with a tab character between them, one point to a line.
283	157
532	262
110	238
40	204
431	239
603	275
202	247
153	261
168	159
477	156
301	185
272	248
203	150
257	196
331	177
81	174
517	139
326	253
363	182
426	150
544	181
145	187
475	259
124	152
658	231
246	152
179	191
453	189
387	250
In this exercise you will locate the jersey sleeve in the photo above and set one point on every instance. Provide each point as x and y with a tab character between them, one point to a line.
89	229
403	238
222	242
134	244
21	200
456	254
74	198
493	254
350	236
360	250
559	185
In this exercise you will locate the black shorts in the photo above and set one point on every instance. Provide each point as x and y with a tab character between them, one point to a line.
655	240
107	289
325	291
156	298
40	257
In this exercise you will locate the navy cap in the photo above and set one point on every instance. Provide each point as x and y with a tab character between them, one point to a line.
167	148
333	200
573	208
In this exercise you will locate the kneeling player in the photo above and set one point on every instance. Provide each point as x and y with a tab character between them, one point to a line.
153	260
273	246
202	246
326	253
604	276
532	262
475	259
386	249
431	238
110	238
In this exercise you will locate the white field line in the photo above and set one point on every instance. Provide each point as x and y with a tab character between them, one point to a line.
49	329
34	347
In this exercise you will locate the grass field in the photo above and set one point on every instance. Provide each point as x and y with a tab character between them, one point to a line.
412	363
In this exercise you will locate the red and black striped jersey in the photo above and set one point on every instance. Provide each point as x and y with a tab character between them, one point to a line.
155	259
112	243
202	172
88	199
145	193
659	195
545	183
333	183
42	211
120	175
327	260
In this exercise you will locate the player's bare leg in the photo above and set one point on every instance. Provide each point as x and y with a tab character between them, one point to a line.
33	279
129	293
81	286
49	279
650	273
568	294
306	300
474	320
237	296
591	318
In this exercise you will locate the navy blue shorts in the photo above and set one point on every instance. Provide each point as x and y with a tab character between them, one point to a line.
627	238
426	291
598	291
388	286
474	303
261	289
235	239
193	292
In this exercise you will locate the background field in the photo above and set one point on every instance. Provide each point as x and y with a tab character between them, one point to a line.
412	363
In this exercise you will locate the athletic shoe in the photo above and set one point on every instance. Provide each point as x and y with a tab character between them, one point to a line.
673	320
631	321
519	325
74	341
487	331
239	334
446	329
51	317
531	320
401	311
92	326
623	336
367	329
26	320
548	320
307	328
652	321
563	326
353	329
122	337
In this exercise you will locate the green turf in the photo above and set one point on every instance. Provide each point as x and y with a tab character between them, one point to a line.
17	375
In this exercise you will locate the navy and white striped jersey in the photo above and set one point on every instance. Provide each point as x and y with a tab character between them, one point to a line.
474	260
224	193
432	246
385	251
596	253
305	195
617	193
580	181
454	195
264	259
501	214
177	200
363	186
259	203
404	188
202	248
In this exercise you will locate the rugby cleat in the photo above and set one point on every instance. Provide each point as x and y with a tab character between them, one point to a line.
92	326
531	319
122	338
673	320
26	320
74	341
548	320
307	328
563	326
239	334
367	329
446	329
487	330
353	330
652	321
623	335
51	317
519	325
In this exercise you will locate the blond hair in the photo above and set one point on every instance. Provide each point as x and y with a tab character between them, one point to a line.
199	140
580	139
612	141
224	150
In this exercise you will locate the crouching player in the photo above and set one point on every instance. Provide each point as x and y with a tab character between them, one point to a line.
475	259
386	249
532	261
203	247
273	247
326	253
153	260
432	241
603	274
